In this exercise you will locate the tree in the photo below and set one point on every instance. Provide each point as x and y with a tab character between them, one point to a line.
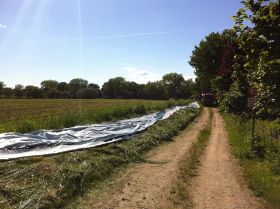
7	92
48	85
96	88
132	90
54	94
88	93
19	90
76	84
175	85
114	88
260	42
207	57
189	89
153	90
33	92
62	86
2	85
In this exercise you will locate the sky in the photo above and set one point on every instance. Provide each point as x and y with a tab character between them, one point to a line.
140	40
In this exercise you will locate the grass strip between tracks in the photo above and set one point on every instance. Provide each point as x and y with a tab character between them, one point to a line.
188	167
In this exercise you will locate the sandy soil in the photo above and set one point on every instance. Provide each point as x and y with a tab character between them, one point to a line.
219	184
147	185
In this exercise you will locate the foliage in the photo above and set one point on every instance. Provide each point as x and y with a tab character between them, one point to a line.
33	92
1	85
172	86
115	88
175	85
19	90
260	41
207	57
235	100
260	158
48	85
88	93
153	90
76	84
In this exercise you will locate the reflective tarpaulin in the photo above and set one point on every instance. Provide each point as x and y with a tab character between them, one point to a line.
47	142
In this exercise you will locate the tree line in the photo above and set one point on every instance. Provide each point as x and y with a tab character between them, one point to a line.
172	85
244	62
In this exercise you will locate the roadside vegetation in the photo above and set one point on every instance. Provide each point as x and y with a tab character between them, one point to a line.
260	157
55	181
18	115
188	167
240	66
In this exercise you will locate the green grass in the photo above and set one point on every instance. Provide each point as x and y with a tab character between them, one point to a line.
25	115
56	181
188	168
259	159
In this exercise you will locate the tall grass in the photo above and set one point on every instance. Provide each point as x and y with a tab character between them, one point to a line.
31	115
55	181
260	157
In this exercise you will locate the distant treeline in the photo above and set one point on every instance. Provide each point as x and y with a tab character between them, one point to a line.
172	85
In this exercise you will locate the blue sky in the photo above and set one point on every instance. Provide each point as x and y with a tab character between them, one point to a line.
96	40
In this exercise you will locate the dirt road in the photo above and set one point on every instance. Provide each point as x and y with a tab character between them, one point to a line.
147	185
219	184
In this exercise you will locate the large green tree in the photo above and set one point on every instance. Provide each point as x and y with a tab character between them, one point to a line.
76	84
47	85
32	92
153	90
175	85
114	88
18	90
207	57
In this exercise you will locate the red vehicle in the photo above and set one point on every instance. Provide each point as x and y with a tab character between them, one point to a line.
208	100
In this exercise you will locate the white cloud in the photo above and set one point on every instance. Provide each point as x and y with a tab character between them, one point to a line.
186	77
2	26
140	76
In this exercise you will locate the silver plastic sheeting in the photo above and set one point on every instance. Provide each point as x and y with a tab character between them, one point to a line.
46	142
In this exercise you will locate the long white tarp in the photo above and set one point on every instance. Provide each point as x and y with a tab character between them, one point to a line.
47	142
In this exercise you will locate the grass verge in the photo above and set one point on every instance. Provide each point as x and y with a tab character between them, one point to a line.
259	160
188	168
54	182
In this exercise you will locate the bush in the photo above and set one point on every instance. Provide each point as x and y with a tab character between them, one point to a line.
235	102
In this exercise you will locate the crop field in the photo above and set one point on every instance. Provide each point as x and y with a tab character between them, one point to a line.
29	115
56	181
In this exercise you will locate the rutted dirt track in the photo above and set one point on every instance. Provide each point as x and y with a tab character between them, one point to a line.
147	185
218	185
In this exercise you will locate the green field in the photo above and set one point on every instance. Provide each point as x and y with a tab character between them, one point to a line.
34	114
